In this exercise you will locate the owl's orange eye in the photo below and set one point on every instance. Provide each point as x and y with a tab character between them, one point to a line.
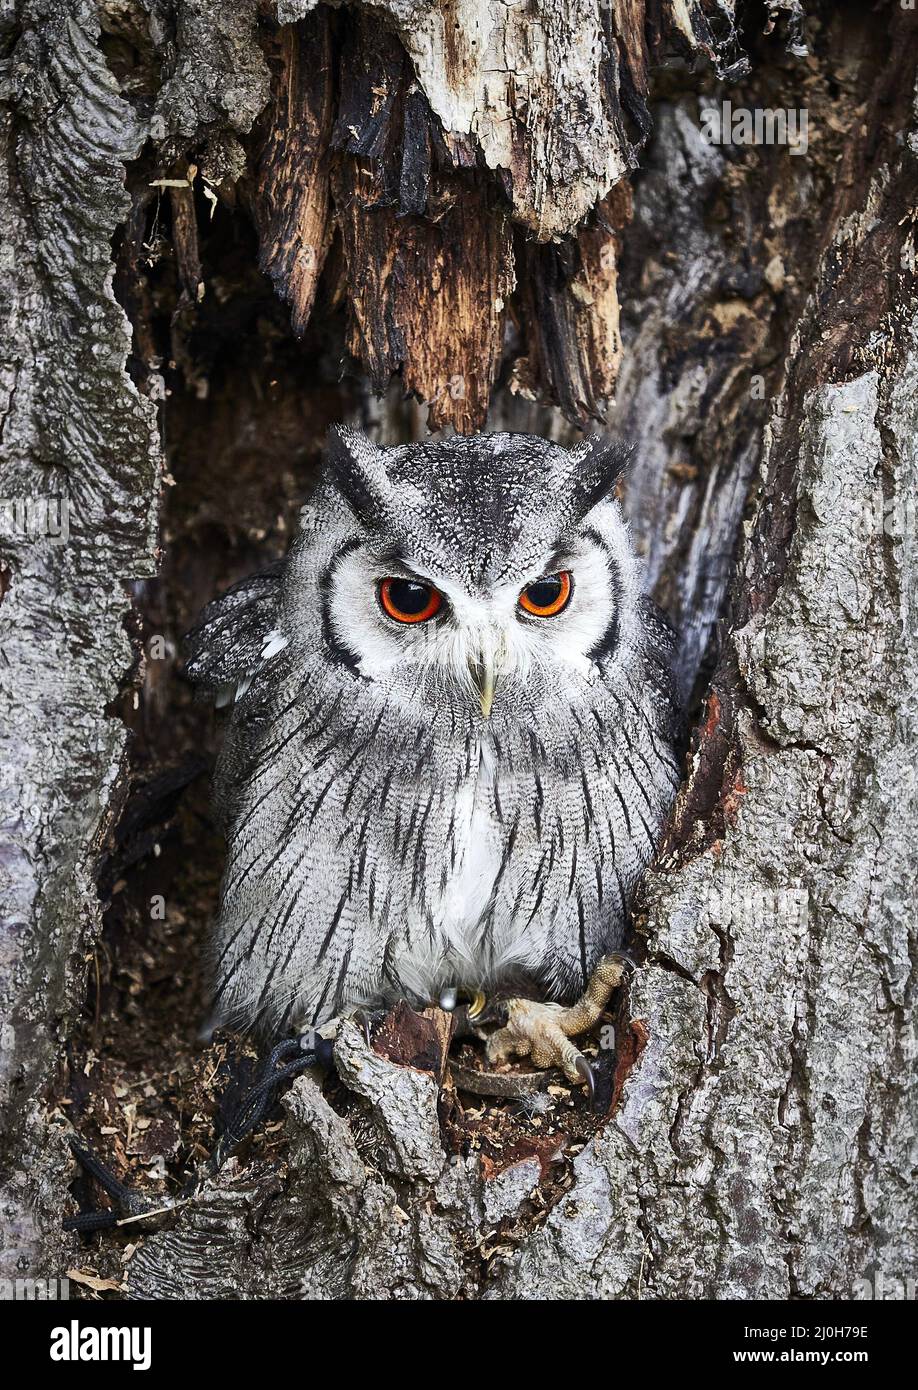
547	596
408	601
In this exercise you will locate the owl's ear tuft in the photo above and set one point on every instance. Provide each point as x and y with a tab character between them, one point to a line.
596	466
356	467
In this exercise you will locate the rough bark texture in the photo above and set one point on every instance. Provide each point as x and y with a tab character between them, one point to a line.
464	194
78	437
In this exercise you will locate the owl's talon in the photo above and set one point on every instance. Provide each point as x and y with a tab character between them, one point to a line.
587	1075
544	1031
477	1005
448	999
364	1022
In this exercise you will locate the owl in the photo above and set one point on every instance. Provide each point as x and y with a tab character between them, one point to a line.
452	741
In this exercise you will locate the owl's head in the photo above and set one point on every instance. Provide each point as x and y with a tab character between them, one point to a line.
482	570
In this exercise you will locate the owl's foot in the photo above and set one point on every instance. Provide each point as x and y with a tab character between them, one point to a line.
287	1060
544	1031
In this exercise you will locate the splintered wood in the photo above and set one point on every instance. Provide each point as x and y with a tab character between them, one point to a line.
451	153
292	205
428	296
352	151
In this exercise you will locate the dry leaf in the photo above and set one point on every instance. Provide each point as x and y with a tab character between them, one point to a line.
92	1281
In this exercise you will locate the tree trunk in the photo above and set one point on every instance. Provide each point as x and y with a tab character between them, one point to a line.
227	225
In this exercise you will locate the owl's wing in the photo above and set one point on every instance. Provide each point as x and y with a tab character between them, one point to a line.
234	635
661	654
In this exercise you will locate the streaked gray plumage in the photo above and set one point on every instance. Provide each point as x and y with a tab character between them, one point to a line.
385	838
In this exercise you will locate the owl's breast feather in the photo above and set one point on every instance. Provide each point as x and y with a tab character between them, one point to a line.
467	896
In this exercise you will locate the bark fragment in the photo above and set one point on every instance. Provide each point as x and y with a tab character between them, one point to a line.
428	296
572	314
291	202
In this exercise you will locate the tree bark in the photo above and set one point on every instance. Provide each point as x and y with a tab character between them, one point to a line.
225	226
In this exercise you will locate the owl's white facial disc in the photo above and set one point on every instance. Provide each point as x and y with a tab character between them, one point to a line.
486	626
472	524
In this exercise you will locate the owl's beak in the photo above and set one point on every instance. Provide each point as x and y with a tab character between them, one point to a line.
483	673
